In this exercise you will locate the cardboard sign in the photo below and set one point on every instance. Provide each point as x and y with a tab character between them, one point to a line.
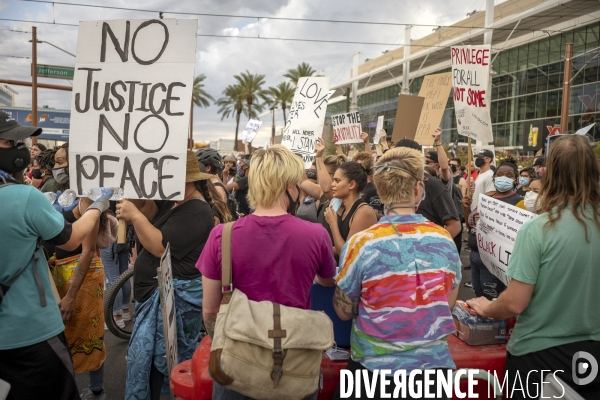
346	128
470	76
497	230
435	90
167	307
251	129
305	120
130	107
377	136
407	117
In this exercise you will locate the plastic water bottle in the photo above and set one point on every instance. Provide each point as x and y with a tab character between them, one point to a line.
51	197
67	198
95	193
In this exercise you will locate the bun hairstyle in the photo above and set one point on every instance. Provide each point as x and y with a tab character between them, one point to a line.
335	160
356	172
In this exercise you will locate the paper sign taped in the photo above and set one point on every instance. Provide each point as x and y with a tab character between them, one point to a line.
407	117
435	90
346	128
130	109
305	120
470	76
251	129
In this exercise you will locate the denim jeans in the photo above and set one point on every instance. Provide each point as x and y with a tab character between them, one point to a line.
223	393
116	261
484	282
97	379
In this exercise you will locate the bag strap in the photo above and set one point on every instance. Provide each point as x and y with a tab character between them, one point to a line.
227	286
40	285
278	353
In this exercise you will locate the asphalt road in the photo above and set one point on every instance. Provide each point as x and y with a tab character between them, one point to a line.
115	367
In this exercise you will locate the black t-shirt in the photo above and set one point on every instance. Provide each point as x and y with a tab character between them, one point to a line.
521	191
241	196
60	253
370	196
186	229
438	206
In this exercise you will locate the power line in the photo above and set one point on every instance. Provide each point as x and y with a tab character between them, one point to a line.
13	30
268	17
8	55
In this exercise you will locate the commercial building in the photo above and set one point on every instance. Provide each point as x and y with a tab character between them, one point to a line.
528	50
54	123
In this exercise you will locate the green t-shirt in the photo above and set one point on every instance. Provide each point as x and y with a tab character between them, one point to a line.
26	215
564	268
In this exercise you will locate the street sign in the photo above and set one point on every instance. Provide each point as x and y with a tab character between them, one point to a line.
54	71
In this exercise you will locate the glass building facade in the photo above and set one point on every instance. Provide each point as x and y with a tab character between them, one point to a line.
526	90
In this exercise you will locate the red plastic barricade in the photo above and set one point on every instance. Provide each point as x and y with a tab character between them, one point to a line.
190	379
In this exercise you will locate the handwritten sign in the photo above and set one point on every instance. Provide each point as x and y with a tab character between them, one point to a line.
130	107
470	75
305	120
435	90
377	136
346	128
251	129
497	230
407	117
167	307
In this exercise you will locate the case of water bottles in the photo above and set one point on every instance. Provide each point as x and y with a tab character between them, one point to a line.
476	330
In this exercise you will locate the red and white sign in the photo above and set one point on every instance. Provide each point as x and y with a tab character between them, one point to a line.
346	128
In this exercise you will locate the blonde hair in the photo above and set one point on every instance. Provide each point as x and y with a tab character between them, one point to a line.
335	160
396	186
270	172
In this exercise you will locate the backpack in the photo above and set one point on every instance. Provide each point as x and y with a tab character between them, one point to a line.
232	203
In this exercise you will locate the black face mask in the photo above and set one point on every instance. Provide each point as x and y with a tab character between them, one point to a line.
36	173
479	162
14	159
293	203
453	168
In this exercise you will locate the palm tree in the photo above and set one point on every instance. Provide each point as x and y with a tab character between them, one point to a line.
199	96
301	70
281	95
232	105
252	91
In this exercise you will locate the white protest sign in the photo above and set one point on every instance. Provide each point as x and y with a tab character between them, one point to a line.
250	130
346	128
377	136
167	307
130	106
305	120
470	76
497	230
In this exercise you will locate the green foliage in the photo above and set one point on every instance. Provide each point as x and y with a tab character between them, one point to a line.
199	95
303	69
280	95
252	91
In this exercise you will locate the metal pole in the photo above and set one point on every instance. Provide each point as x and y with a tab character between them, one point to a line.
34	100
273	126
192	125
39	85
354	103
489	21
566	95
406	68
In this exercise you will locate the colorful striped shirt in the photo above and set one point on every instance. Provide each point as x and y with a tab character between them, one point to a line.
402	284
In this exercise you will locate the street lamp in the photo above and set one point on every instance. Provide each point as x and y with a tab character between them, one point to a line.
56	47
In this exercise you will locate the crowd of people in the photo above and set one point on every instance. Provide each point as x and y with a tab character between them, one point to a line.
385	228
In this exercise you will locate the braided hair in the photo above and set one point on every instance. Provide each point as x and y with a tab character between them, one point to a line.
508	162
213	198
45	160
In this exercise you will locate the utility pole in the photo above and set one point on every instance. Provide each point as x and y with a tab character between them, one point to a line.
406	67
273	126
487	39
191	140
566	95
34	100
354	103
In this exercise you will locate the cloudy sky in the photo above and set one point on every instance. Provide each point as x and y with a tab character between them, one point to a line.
221	58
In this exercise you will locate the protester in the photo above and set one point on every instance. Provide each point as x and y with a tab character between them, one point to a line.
531	201
229	169
115	259
184	225
457	179
307	209
211	160
276	256
483	183
554	276
43	171
34	354
34	151
437	206
525	177
369	194
398	279
539	165
474	173
240	186
219	207
505	182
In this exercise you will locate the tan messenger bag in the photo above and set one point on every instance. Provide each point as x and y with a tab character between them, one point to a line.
262	349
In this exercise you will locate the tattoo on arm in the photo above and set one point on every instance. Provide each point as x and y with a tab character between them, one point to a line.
209	324
318	165
342	302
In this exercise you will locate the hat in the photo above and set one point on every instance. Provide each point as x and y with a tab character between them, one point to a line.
11	130
246	159
192	170
539	162
433	155
411	144
485	153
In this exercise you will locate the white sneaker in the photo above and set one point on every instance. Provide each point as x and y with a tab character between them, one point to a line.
126	316
120	323
87	394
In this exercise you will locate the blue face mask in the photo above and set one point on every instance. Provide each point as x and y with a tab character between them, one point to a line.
504	183
524	181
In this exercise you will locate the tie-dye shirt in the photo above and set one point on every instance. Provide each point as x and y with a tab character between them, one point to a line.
402	284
